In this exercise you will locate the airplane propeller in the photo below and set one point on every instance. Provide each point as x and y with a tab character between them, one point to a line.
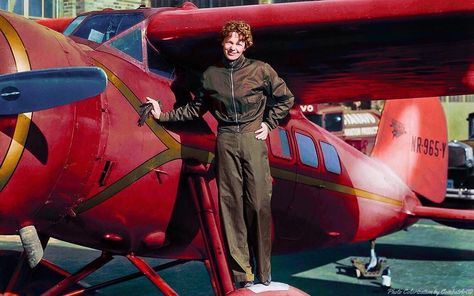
36	90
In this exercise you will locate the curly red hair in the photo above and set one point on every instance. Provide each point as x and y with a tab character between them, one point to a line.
239	27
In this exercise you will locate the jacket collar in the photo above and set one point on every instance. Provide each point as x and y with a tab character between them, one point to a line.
237	64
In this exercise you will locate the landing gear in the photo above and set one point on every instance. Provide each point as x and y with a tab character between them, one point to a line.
377	267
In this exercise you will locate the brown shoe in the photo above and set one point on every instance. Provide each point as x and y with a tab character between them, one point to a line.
267	282
246	284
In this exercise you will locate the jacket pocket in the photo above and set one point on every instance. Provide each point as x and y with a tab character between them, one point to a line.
251	105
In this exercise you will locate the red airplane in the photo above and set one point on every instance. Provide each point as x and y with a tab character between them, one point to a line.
82	170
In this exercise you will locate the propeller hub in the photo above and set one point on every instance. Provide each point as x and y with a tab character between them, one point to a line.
10	93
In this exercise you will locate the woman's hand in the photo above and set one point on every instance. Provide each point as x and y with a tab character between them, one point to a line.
262	133
156	111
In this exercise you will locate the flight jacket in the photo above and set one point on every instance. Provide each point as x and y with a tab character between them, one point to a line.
240	94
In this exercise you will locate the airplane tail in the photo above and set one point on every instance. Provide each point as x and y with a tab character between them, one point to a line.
412	141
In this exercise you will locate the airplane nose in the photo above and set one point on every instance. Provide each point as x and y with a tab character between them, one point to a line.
14	58
12	50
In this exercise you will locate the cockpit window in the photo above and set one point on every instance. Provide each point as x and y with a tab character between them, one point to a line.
130	44
158	64
101	27
72	26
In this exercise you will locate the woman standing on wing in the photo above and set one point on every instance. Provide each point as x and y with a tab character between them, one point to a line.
236	92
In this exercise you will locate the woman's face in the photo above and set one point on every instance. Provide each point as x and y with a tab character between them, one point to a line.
233	46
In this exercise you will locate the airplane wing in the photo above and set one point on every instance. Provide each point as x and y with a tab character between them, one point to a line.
338	50
57	24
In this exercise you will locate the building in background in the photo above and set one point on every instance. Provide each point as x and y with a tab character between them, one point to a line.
32	8
81	6
457	110
65	8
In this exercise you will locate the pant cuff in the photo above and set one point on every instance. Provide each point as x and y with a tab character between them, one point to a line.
244	277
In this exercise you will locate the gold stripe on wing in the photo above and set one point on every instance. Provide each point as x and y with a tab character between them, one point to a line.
17	145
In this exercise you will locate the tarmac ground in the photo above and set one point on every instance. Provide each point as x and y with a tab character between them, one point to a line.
428	259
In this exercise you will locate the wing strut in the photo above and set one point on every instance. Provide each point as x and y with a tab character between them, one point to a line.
219	270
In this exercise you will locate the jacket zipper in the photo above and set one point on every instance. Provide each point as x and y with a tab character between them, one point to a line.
233	97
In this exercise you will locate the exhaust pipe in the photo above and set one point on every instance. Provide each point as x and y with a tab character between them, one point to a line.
31	245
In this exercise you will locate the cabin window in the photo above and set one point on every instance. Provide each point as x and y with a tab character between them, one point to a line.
158	64
279	143
101	27
130	44
307	150
331	158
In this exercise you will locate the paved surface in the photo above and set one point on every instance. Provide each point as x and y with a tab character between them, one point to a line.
429	259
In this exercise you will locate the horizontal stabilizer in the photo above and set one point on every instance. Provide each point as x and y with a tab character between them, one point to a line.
443	214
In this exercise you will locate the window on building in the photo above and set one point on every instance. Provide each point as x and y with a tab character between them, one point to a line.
35	8
456	99
469	98
19	7
331	158
30	8
48	9
316	118
101	27
307	150
279	143
130	44
333	122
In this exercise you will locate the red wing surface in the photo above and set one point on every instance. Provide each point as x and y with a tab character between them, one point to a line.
339	50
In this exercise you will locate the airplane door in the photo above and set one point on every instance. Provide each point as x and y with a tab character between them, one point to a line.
301	210
281	154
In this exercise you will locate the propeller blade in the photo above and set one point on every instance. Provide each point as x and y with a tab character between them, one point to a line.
36	90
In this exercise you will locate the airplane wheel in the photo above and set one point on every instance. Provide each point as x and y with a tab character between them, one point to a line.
358	274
